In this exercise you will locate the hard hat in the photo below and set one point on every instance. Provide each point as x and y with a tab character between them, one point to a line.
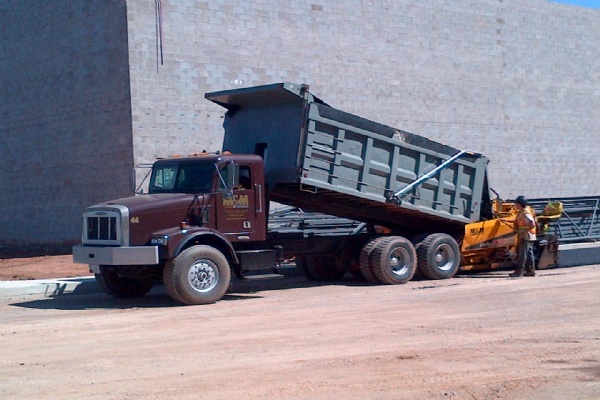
521	200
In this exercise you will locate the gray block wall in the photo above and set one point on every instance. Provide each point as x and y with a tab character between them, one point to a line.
65	117
90	95
515	80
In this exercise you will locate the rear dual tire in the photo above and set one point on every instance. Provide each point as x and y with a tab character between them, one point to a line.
390	260
395	260
366	268
439	256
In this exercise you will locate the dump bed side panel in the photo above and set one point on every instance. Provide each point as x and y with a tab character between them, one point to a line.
351	157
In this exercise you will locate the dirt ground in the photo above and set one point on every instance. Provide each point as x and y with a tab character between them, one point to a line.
41	268
481	336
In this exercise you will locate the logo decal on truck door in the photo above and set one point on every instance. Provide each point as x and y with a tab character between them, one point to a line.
237	201
236	208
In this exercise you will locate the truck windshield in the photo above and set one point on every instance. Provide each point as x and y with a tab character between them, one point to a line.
182	178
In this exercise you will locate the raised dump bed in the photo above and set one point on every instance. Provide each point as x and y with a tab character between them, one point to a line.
326	160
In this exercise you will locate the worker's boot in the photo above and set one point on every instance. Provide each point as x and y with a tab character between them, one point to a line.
517	274
529	271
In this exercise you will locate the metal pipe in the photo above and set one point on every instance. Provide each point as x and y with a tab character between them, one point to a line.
428	175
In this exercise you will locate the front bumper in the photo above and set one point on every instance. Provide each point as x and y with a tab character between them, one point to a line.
135	255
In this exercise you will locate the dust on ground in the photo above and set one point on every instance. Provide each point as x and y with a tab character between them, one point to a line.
481	337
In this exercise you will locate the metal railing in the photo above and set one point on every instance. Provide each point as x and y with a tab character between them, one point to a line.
580	221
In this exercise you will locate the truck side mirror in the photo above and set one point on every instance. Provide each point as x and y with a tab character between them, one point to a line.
136	172
233	176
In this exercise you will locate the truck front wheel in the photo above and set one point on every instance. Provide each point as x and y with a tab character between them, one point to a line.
111	283
199	275
439	256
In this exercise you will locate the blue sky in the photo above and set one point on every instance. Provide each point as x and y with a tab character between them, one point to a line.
582	3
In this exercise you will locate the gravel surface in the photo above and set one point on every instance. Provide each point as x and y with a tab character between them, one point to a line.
481	336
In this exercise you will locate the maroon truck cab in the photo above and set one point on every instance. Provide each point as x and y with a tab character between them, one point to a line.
211	203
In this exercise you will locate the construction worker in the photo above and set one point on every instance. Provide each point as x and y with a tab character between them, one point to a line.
526	229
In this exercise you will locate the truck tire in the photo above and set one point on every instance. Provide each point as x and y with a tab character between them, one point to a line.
366	268
347	258
199	275
416	241
321	267
394	260
302	265
111	283
439	256
167	273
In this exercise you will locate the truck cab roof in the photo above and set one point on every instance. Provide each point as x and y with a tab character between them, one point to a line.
212	158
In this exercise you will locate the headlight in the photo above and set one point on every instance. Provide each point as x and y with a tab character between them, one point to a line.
159	240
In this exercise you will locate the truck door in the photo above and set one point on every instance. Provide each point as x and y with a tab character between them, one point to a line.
237	210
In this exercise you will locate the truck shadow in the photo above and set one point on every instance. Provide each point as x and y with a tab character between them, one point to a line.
87	295
74	301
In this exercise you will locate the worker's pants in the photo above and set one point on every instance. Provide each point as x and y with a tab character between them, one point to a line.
525	256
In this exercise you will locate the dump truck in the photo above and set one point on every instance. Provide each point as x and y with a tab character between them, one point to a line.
421	207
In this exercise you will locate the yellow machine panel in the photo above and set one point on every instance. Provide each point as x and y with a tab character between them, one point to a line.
490	244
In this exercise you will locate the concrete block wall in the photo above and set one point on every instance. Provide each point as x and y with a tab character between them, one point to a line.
90	88
516	80
65	117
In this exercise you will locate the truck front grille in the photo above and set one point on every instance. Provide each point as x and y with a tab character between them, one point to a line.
102	228
105	226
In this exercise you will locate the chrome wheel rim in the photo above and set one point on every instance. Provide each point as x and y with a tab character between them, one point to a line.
444	257
203	276
399	261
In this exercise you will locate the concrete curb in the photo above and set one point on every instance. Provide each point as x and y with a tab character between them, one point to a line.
575	254
49	287
569	255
